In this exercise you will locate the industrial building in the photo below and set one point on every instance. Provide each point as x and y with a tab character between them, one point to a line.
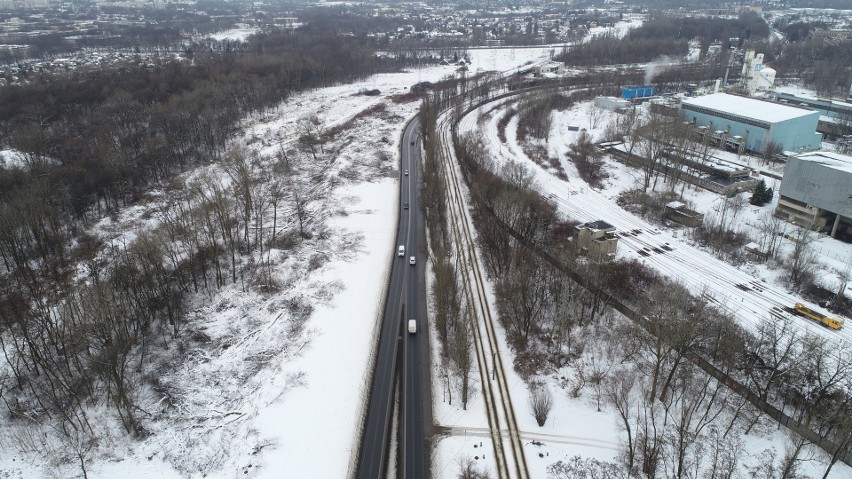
835	116
826	107
635	93
754	123
816	192
596	239
756	77
680	213
611	103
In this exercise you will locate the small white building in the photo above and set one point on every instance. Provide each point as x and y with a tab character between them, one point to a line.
549	69
611	103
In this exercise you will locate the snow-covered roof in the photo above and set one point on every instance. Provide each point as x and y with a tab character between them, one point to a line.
597	225
829	159
748	107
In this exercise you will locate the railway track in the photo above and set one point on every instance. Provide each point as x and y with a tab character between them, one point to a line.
506	440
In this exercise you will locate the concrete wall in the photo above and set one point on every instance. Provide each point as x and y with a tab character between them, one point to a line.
689	218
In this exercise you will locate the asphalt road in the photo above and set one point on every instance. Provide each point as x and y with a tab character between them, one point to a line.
403	296
414	399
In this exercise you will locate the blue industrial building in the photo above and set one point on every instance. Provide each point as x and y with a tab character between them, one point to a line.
754	123
637	92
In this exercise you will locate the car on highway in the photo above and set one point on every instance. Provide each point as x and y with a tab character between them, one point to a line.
401	250
405	205
406	172
412	142
412	260
412	326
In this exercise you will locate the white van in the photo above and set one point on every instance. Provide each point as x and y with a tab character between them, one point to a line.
401	251
412	326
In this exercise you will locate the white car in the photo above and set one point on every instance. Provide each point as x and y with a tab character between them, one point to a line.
412	326
401	250
412	260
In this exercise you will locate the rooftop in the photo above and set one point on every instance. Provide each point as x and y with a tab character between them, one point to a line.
829	159
833	102
748	107
597	225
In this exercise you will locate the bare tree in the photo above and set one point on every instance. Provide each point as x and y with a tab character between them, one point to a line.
541	402
802	260
461	352
723	455
676	325
312	134
619	392
772	229
844	275
469	470
791	460
772	353
696	401
526	294
654	138
586	468
766	467
595	114
771	150
587	158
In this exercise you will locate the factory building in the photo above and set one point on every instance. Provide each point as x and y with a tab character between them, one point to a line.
754	123
756	76
826	107
816	191
835	116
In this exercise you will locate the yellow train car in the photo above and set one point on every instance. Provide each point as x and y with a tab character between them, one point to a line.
833	323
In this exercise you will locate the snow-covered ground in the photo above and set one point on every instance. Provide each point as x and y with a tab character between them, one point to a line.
278	398
12	159
298	416
618	29
577	427
234	35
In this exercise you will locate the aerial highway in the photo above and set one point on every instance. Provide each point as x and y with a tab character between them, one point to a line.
405	301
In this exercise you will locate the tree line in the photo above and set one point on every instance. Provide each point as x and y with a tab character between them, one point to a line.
94	141
664	36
